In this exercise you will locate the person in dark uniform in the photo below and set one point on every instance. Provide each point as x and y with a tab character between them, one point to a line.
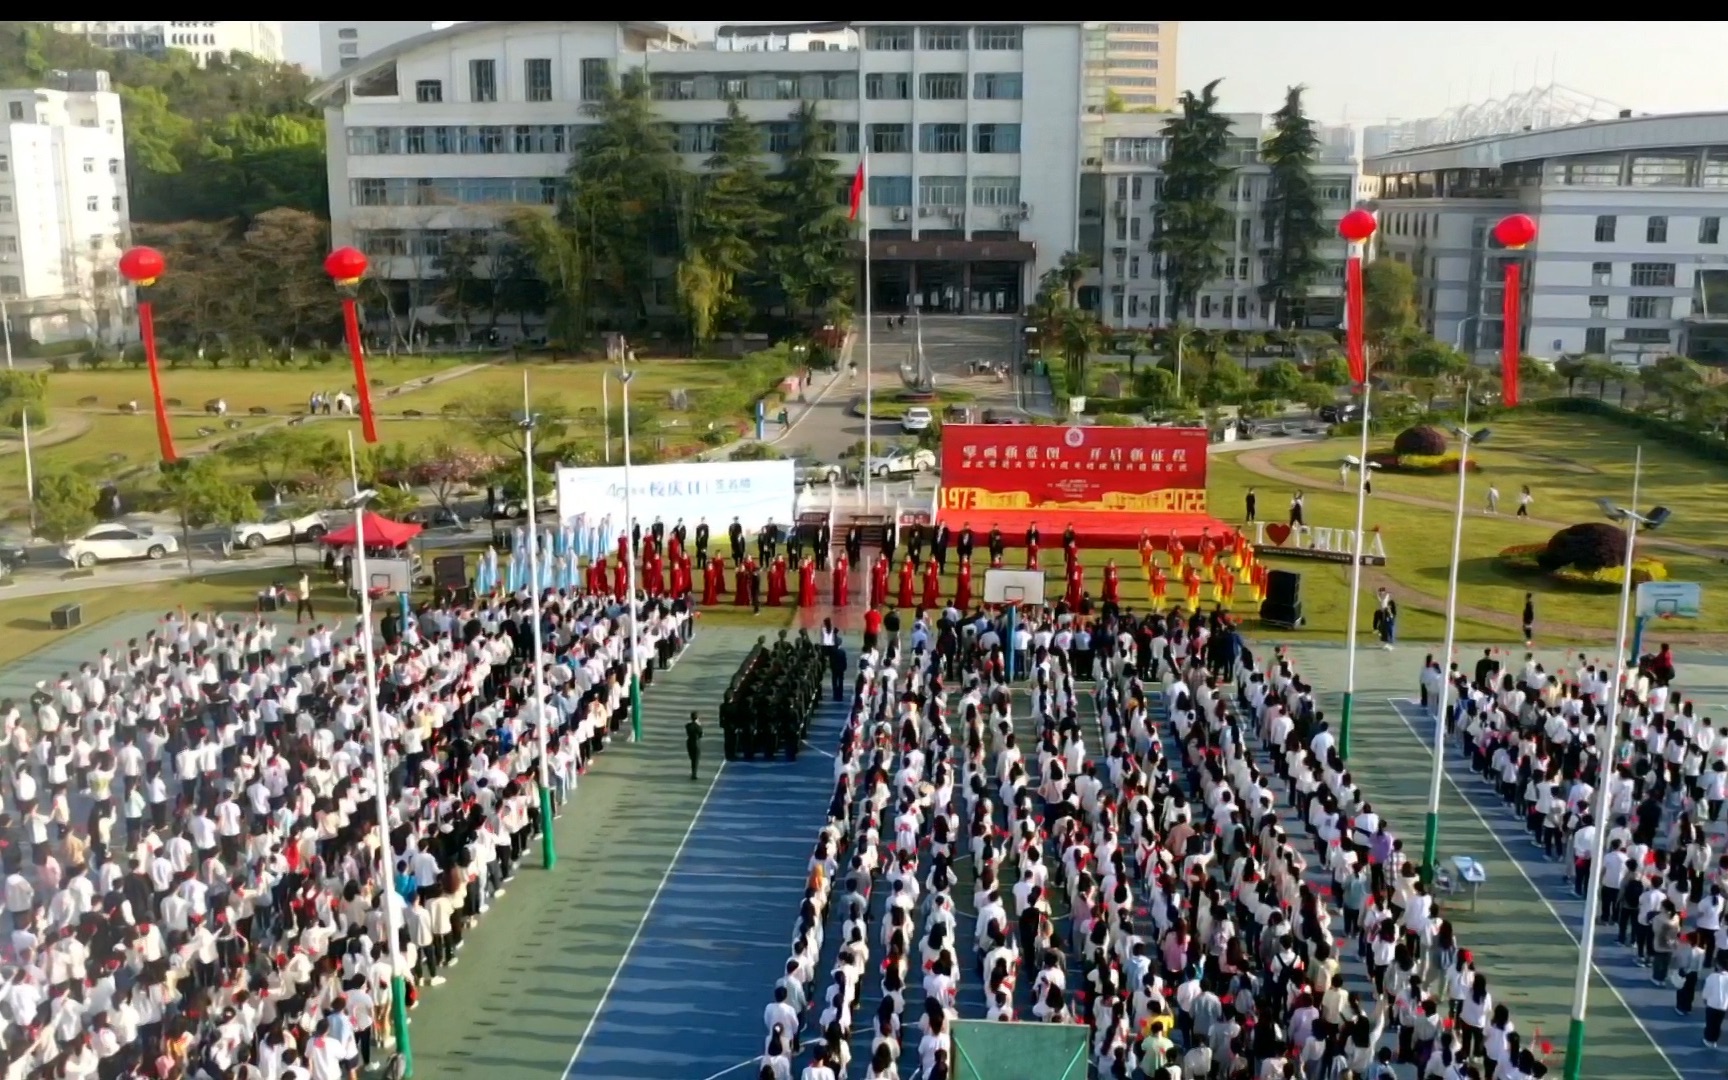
693	742
915	543
1486	669
681	533
823	540
996	545
755	589
837	668
1529	618
891	536
855	546
767	541
658	531
735	533
963	546
702	544
939	548
1068	537
1032	536
1250	501
794	547
635	537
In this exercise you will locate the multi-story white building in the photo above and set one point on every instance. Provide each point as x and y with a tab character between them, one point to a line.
1119	195
449	129
63	213
1131	65
342	44
1629	259
262	40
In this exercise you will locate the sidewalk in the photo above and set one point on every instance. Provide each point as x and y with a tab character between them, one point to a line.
799	412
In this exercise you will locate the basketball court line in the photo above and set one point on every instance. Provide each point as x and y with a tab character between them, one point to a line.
1399	705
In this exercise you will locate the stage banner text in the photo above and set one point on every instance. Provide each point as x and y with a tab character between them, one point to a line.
1143	470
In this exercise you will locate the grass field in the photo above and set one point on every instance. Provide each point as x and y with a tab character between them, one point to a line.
275	388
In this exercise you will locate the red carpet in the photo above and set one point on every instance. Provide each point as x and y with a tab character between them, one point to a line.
1097	529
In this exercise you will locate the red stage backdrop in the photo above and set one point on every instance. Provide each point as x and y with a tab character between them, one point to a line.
1143	470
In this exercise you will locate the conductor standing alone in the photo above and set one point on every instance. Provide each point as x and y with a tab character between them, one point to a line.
693	742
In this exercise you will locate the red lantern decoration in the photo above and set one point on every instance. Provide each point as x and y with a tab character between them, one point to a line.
1357	226
1515	231
347	266
142	266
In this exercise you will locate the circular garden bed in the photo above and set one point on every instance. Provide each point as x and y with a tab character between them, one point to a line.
1585	555
1424	450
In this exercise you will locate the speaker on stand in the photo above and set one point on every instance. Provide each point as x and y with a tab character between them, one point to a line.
1283	604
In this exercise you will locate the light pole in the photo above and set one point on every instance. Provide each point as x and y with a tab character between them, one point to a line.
624	377
1362	466
548	849
1593	890
380	777
23	421
1458	335
1431	827
1356	227
1181	339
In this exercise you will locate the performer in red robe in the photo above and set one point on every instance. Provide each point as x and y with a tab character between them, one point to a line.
1070	553
621	579
684	580
624	546
777	581
807	583
842	583
1145	552
649	548
719	564
879	582
711	584
656	575
1076	585
1032	558
963	590
674	549
597	577
1112	583
908	571
741	596
932	585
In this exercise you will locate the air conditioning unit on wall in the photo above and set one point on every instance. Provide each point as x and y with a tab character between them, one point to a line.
902	213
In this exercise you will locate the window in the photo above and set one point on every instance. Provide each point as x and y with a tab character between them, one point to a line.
1709	230
117	203
4	166
1656	170
996	138
113	166
348	33
1116	306
996	86
1120	260
1601	273
941	191
890	191
1206	306
1133	228
944	38
1242	268
1605	228
483	80
429	91
888	38
888	86
10	286
997	38
5	204
1656	229
1134	267
996	191
96	241
1245	232
1596	340
942	138
1241	307
1648	335
90	165
15	110
888	139
93	203
1661	274
779	137
537	73
596	78
1598	307
943	86
1650	307
1137	195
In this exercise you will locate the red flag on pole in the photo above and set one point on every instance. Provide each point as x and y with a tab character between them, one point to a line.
857	192
1509	351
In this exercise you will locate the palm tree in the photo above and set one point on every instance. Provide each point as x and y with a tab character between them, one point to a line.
1601	371
1078	336
1070	271
1570	367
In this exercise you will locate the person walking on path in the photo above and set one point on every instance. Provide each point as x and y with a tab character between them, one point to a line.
693	742
1524	501
1296	509
303	599
1529	613
1250	500
1493	499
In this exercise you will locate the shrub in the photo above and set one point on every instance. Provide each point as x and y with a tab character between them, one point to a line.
1422	464
1587	548
1423	440
1528	559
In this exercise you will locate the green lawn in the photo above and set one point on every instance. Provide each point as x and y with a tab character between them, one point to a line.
275	388
113	445
577	385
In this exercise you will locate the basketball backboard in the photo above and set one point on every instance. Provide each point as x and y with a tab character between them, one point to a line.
1014	587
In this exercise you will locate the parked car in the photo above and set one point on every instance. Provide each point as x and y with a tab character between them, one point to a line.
916	419
819	472
280	527
1342	413
516	506
113	542
957	414
900	461
1002	416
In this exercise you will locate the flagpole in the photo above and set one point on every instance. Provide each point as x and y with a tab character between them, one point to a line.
863	211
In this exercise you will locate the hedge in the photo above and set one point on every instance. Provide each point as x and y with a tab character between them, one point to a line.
1673	433
1522	559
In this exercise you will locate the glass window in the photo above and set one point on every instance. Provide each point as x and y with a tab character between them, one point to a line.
5	204
1709	230
1594	172
888	139
890	191
1596	340
429	91
1598	307
10	286
1601	273
538	76
941	191
996	191
1648	335
997	38
942	138
888	86
943	86
1653	274
996	138
944	38
1605	228
483	80
93	202
996	86
1651	170
888	38
780	134
1649	307
596	79
1656	229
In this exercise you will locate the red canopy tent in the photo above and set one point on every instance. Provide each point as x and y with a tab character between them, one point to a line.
380	532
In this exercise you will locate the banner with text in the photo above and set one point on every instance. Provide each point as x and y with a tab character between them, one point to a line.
751	491
1143	470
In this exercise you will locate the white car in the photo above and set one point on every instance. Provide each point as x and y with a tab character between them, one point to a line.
279	528
916	419
901	462
108	543
818	472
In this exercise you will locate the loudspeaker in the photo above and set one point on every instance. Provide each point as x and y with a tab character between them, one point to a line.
450	571
1283	605
66	617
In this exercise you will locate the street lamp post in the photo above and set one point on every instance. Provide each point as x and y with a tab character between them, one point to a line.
1632	519
548	849
1458	335
1356	227
380	778
1431	828
624	377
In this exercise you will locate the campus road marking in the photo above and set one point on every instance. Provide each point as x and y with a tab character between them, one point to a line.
1566	927
808	745
605	994
734	1068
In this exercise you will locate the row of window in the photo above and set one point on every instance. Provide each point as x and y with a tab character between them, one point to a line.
943	38
1637	307
1656	229
836	86
1643	170
943	86
455	191
9	243
778	137
1150	306
996	191
407	243
483	82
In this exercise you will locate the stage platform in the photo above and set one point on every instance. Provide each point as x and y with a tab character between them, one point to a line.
1093	529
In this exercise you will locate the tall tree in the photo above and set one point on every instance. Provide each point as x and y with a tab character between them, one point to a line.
552	247
732	227
1192	225
460	286
1388	300
811	260
1293	217
626	185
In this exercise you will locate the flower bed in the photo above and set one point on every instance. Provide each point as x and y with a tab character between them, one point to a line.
1421	464
1523	559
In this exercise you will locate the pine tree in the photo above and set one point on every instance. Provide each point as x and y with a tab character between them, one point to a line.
1191	225
810	260
733	223
1293	217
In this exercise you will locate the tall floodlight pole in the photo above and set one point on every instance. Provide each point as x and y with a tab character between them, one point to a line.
1593	889
542	714
1356	227
380	776
1431	828
624	377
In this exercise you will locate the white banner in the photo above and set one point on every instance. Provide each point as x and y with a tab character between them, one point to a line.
754	492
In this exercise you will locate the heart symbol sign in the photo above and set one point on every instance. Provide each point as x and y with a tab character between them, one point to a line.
1278	532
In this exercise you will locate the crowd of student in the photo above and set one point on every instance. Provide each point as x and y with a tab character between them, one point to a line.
1533	735
190	843
1196	879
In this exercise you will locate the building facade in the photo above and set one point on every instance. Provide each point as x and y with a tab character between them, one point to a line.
63	212
1118	214
342	44
452	129
1131	65
203	40
1629	260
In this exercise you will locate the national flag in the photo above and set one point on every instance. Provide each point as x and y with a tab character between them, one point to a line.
857	192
